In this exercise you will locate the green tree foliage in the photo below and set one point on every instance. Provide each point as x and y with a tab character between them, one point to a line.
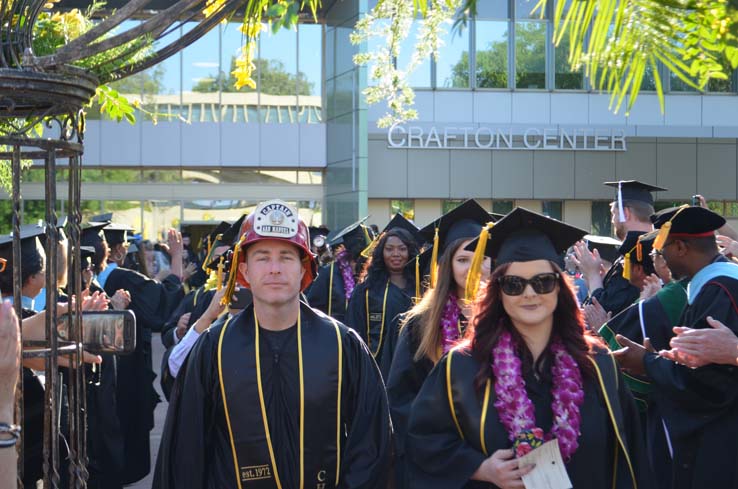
272	78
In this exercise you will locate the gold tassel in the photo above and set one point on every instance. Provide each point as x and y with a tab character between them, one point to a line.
367	252
626	266
639	252
221	266
417	277
212	281
204	265
658	243
474	276
231	287
434	261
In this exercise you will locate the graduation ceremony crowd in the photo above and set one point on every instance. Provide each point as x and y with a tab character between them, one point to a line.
435	357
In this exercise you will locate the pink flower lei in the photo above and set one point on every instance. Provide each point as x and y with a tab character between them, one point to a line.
344	264
515	407
450	323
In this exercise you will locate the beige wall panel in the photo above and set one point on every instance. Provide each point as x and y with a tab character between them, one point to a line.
637	163
578	213
553	175
531	205
593	168
379	210
471	174
426	211
677	170
387	171
512	174
428	174
716	171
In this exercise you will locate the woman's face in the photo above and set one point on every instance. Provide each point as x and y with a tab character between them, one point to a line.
395	254
460	263
530	309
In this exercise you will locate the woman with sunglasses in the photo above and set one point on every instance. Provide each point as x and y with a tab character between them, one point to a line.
527	374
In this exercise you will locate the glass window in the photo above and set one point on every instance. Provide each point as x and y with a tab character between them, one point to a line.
678	85
121	176
502	206
492	9
601	218
310	177
565	78
310	75
452	70
491	48
524	9
530	55
553	209
278	77
649	80
125	212
92	175
201	176
162	176
406	207
240	175
310	211
239	105
421	77
37	174
278	176
450	204
198	211
162	87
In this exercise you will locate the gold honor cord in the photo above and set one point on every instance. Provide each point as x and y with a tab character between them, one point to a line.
225	402
485	405
330	290
263	407
368	322
612	419
450	395
338	401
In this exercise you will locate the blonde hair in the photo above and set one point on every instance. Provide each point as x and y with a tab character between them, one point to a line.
428	313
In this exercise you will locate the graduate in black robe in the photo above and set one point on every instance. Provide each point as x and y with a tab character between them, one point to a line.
424	322
455	432
152	302
328	292
386	291
700	406
263	407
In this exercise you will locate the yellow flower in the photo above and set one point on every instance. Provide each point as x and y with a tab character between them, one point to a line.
212	7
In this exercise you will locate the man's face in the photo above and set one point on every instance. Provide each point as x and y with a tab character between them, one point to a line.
673	254
274	270
185	240
618	227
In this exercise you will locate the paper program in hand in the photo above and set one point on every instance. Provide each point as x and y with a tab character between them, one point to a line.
550	472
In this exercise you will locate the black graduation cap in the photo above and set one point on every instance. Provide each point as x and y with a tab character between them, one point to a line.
524	235
318	231
685	222
219	229
634	250
87	254
354	231
400	221
92	233
107	216
607	247
232	234
629	190
630	242
465	221
420	267
116	233
32	253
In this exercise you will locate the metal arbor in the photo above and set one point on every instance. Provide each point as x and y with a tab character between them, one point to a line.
49	92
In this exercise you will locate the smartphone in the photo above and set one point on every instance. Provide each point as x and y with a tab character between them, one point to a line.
241	299
696	200
104	331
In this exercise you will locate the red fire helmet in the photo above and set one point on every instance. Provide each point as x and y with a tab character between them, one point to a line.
277	220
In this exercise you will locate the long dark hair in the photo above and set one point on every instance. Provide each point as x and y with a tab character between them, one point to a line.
429	311
490	320
375	270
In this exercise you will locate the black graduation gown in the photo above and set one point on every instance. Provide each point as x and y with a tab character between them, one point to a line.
380	337
405	379
326	296
152	302
700	406
438	456
196	449
616	293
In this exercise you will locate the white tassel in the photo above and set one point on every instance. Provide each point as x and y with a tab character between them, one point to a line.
621	213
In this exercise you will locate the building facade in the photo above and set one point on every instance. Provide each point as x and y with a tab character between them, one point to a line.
502	119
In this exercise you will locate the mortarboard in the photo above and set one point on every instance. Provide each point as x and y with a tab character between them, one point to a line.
607	247
212	237
116	233
629	190
32	253
633	244
685	222
354	231
463	222
92	233
318	235
87	254
107	216
524	235
401	222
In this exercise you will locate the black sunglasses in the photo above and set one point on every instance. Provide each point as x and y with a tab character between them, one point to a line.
543	283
